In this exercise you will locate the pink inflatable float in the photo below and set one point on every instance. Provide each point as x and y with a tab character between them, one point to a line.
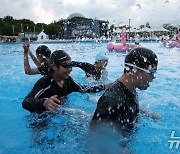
120	47
172	43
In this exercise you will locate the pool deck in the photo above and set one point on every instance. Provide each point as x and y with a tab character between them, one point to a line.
84	41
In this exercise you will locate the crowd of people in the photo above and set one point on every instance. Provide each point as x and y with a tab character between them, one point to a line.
117	107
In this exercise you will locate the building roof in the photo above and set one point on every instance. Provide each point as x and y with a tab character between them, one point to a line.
75	15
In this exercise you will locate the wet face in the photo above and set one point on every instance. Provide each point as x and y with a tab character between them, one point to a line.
103	64
145	77
40	57
64	70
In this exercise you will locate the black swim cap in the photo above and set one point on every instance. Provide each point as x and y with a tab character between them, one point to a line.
43	50
141	57
59	56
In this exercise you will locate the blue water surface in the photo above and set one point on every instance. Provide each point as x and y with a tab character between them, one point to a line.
68	130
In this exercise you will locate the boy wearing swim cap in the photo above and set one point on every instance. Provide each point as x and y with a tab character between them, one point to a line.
118	106
41	60
50	91
98	70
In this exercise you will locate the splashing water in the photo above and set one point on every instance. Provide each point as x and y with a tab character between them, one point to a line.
68	130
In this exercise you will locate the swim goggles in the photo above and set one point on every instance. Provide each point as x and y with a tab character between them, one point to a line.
66	65
150	72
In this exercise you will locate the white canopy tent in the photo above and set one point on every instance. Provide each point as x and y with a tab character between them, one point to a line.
42	37
161	29
145	29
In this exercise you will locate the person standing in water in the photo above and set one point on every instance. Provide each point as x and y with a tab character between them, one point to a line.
118	106
41	60
96	70
50	91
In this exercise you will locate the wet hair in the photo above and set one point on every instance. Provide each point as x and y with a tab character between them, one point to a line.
58	57
141	57
43	50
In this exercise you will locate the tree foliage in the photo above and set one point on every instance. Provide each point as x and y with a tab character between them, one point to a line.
10	26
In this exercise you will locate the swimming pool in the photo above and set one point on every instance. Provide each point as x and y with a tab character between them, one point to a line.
68	130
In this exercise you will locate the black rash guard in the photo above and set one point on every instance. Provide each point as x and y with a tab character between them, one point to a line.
44	69
47	87
89	69
118	106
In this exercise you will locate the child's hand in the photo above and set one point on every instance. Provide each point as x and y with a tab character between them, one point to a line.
26	46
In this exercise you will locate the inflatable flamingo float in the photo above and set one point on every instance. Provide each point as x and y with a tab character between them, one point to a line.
120	47
172	43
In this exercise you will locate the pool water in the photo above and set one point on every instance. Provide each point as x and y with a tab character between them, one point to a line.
68	130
